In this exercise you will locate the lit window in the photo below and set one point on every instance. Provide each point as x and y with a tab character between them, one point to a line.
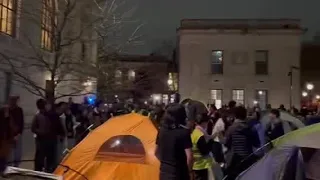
262	98
173	81
131	75
238	96
217	62
7	14
125	148
118	77
261	62
47	22
216	96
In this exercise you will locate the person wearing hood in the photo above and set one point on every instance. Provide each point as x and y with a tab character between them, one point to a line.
173	145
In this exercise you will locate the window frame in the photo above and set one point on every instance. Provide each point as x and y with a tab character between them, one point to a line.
131	74
221	98
266	61
266	94
43	25
212	63
13	10
236	100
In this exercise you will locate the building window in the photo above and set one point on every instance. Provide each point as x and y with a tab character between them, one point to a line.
262	98
131	75
216	97
173	81
261	62
238	96
118	77
47	23
8	16
217	62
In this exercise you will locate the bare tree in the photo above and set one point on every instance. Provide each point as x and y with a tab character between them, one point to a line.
75	36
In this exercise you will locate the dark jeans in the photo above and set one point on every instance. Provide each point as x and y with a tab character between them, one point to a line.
46	152
217	151
200	174
239	164
167	176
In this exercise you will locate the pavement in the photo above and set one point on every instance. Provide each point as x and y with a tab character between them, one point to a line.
28	148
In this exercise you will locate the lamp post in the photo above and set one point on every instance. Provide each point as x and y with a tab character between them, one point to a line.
291	82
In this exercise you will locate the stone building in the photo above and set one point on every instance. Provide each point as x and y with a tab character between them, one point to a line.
27	48
246	60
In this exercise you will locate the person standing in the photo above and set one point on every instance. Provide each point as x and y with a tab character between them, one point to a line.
59	119
7	137
202	160
173	145
241	140
275	128
45	126
17	117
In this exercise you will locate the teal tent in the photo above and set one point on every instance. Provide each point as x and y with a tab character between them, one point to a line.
294	156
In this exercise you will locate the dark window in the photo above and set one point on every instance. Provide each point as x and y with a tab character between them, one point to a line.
217	62
261	62
126	148
8	77
8	16
83	51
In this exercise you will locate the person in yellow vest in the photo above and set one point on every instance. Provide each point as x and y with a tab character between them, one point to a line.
201	150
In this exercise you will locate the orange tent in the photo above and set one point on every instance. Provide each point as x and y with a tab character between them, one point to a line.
120	149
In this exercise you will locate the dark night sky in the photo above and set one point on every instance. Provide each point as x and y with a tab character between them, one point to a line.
161	17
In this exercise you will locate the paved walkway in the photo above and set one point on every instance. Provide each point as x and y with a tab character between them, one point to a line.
28	149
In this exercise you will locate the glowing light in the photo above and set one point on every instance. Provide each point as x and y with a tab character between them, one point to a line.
255	102
156	97
87	83
170	81
91	99
309	86
116	96
260	92
117	142
304	94
146	102
317	96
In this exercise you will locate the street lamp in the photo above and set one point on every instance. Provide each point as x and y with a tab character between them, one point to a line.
170	82
304	94
309	86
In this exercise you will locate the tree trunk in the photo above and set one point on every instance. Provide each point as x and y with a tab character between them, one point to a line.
50	91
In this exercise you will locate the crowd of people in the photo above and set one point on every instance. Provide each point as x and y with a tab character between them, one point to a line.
57	128
193	142
199	143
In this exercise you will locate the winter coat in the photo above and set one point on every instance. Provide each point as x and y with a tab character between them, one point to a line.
7	133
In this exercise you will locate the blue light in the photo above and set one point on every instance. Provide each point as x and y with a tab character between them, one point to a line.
92	99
